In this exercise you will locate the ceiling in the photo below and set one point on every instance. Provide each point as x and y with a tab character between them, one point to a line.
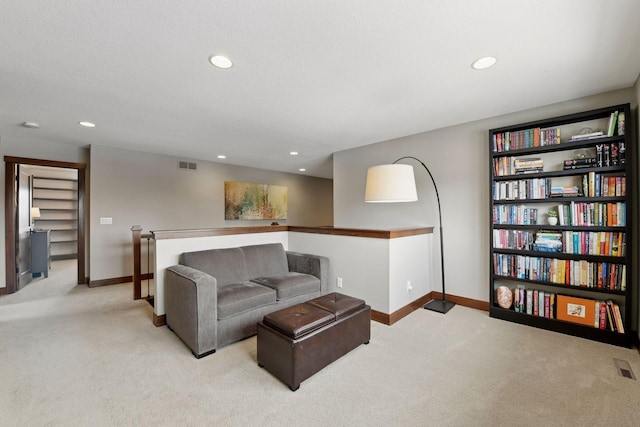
313	76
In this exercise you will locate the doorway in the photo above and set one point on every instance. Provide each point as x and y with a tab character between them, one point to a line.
13	204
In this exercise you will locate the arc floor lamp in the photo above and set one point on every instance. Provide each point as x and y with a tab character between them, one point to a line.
396	183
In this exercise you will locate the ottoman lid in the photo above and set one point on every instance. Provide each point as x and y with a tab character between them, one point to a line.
337	304
298	320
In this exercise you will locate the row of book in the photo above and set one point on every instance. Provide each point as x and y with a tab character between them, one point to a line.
528	138
533	302
610	154
565	191
599	243
547	241
515	215
598	185
605	243
536	188
506	165
605	315
616	118
612	214
513	239
579	273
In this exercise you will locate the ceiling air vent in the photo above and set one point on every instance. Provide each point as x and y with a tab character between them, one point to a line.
187	165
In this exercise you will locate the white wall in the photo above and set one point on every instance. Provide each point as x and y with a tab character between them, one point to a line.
458	157
149	190
376	270
168	251
34	148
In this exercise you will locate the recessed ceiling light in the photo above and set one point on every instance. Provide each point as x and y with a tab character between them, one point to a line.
31	125
302	170
220	61
87	124
294	153
482	63
222	156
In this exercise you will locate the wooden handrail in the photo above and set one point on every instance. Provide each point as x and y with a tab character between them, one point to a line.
136	234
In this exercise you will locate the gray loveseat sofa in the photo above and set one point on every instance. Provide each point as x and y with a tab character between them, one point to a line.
217	296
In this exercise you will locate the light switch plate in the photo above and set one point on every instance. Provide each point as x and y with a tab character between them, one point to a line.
106	221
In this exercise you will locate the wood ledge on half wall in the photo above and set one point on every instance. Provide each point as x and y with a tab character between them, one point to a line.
354	232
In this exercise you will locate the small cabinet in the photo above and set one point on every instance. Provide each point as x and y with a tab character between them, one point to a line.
40	252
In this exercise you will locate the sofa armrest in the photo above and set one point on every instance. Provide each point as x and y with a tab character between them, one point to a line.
314	265
191	303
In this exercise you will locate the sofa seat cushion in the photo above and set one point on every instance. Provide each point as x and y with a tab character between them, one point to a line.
238	298
290	285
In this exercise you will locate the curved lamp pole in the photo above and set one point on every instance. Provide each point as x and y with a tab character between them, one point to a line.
394	183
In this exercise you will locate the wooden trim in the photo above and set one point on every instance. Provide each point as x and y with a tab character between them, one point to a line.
357	232
38	162
117	280
137	268
82	205
205	232
390	319
111	281
11	277
11	164
354	232
159	320
465	302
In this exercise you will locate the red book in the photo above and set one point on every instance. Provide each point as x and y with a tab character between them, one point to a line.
612	282
547	300
603	315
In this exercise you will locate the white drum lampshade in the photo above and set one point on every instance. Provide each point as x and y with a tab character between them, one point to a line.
390	184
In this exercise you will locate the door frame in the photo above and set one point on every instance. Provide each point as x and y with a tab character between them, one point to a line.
10	212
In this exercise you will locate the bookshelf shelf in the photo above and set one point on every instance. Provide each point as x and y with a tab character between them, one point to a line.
58	203
588	263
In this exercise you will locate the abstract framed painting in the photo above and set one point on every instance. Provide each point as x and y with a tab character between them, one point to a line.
245	200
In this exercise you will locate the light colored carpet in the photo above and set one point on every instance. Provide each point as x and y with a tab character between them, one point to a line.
73	356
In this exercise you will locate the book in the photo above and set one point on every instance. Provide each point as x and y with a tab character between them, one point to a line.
574	162
618	318
621	123
612	123
575	310
586	136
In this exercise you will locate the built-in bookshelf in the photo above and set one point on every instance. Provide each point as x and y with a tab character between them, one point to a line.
561	229
57	199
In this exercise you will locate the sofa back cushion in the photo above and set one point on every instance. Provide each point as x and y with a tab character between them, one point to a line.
266	260
228	266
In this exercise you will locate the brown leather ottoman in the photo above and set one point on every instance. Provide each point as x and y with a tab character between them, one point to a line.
296	342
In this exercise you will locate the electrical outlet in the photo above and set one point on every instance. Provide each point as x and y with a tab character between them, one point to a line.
339	282
409	287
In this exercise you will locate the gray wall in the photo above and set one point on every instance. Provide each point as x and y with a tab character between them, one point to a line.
458	157
149	190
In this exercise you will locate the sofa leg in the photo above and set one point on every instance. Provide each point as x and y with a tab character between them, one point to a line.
200	356
261	365
294	388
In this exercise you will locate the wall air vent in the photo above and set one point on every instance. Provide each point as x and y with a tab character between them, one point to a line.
187	165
